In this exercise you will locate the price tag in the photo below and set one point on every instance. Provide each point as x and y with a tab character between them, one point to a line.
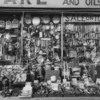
98	81
74	81
58	81
67	85
54	86
81	85
87	81
64	81
35	81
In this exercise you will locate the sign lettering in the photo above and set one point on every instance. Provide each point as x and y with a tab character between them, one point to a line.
92	2
40	2
7	1
81	18
28	2
71	2
51	3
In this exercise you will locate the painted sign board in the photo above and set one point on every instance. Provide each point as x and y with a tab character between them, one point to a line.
82	19
51	3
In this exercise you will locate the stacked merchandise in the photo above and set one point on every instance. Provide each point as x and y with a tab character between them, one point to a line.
41	42
10	29
9	38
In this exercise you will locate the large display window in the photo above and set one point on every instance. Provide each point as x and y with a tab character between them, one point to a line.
10	37
42	37
58	51
81	45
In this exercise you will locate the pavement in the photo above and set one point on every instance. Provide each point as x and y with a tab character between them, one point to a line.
51	98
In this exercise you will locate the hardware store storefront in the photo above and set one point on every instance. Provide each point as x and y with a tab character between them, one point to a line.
60	38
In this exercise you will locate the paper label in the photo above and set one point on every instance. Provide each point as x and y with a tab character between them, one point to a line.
54	86
98	81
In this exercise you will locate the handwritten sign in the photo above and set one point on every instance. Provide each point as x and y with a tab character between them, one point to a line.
51	3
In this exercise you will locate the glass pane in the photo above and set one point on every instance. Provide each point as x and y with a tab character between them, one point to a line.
81	47
10	35
42	38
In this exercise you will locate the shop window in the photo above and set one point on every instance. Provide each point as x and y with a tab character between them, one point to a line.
81	43
10	33
42	38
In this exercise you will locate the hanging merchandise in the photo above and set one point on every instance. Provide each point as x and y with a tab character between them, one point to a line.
45	19
92	35
72	54
52	32
15	23
52	26
28	19
57	36
92	43
7	36
59	27
40	59
47	27
40	34
1	50
24	33
67	86
74	81
2	23
56	19
36	21
38	42
8	24
10	47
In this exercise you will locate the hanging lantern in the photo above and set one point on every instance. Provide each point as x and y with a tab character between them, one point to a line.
46	20
28	19
2	23
53	78
56	19
36	21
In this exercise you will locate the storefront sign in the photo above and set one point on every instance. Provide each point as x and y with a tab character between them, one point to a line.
51	3
82	19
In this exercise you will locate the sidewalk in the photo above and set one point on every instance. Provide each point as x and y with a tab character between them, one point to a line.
51	98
